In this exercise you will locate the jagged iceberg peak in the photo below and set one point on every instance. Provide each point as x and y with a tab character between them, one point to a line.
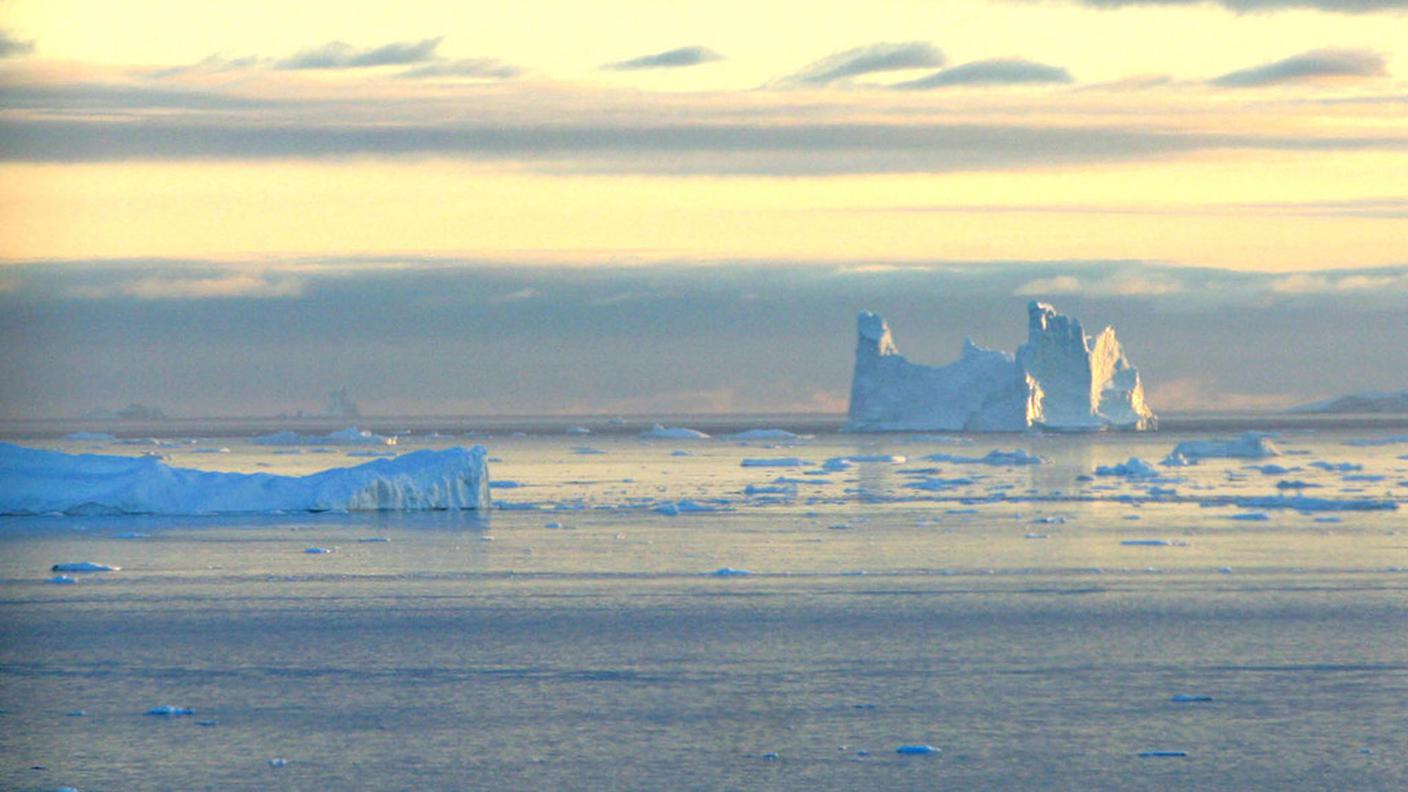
1059	379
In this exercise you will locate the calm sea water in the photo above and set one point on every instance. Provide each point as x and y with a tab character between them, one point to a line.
579	640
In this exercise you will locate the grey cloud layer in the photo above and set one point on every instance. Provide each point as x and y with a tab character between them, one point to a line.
341	55
872	59
752	149
1242	6
1312	65
464	67
199	337
997	71
11	47
670	59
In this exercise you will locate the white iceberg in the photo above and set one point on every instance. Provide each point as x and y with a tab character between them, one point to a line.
349	436
1060	379
84	566
658	432
1251	445
38	482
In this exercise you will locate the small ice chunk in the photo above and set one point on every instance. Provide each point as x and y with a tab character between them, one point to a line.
916	750
765	434
1188	698
278	762
1146	542
995	457
169	711
1336	467
1156	754
659	432
373	539
771	756
1250	517
62	580
578	430
318	550
84	566
1134	467
729	572
774	462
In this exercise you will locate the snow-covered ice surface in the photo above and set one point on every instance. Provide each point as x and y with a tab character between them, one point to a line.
1060	379
624	648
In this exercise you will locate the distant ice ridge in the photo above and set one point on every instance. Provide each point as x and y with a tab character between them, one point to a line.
349	436
1060	379
38	482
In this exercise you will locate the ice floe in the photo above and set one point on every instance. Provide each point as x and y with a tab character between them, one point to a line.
1251	445
349	436
659	432
84	566
997	458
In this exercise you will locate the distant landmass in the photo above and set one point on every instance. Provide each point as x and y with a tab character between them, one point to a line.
1366	402
132	412
1060	379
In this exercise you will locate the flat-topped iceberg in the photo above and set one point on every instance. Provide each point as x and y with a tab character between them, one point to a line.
349	436
40	482
1059	379
1251	445
659	432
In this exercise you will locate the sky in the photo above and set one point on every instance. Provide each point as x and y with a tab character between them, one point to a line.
232	208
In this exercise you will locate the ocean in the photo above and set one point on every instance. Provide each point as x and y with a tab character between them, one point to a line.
635	617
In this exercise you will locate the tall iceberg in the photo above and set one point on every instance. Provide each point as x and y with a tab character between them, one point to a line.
33	481
1060	379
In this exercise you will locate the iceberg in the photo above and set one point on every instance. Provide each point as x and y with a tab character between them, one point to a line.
349	436
1252	445
1133	468
38	482
1060	379
658	432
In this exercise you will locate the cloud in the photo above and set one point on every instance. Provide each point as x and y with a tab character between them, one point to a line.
212	64
875	58
1134	283
11	47
670	59
483	68
720	149
1312	283
1313	65
341	55
998	71
1248	6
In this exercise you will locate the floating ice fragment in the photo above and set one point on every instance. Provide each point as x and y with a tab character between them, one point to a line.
587	451
774	462
916	750
373	539
1336	467
168	711
771	756
766	434
1160	754
84	566
1035	536
1049	521
349	436
554	526
578	430
1188	698
62	580
729	572
1147	542
504	484
318	550
659	432
1250	517
278	762
1133	468
680	452
1252	445
995	457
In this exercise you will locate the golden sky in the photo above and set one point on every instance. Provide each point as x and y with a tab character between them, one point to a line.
1248	134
